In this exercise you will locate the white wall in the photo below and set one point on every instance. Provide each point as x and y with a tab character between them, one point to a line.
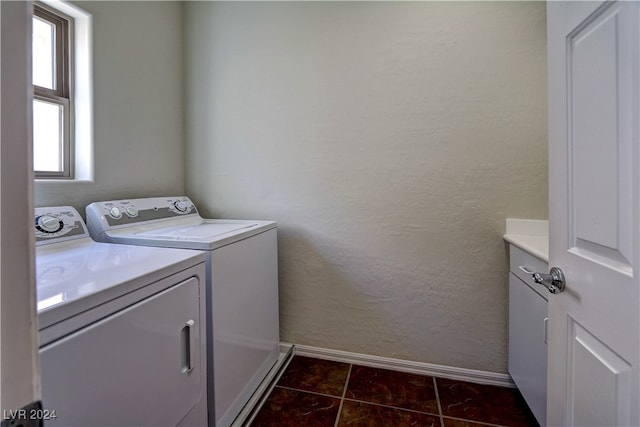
138	105
19	371
390	140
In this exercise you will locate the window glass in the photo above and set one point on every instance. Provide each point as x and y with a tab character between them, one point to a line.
44	51
48	135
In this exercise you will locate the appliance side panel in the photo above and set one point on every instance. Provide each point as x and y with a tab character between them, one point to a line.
245	319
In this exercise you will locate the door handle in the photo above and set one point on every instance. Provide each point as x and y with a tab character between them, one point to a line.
186	345
554	281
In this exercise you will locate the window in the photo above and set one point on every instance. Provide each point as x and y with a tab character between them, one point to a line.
63	92
53	107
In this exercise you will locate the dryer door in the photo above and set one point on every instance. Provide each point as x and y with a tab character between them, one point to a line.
139	367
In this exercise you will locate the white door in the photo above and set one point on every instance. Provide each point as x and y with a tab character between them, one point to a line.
594	212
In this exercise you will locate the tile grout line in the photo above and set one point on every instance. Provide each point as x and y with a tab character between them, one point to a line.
398	408
344	393
300	390
442	416
435	389
472	421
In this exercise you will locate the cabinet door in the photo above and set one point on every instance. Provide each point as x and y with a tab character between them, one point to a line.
527	346
129	369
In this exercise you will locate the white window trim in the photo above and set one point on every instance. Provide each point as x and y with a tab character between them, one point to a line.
83	93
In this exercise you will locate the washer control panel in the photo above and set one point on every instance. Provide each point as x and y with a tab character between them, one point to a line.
58	223
114	213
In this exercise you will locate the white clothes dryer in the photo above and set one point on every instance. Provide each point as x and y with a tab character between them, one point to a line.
121	329
242	287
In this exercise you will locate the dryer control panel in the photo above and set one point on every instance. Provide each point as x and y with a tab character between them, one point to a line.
116	213
57	224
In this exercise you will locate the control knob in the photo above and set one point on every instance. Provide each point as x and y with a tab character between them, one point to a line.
49	224
180	206
131	211
115	212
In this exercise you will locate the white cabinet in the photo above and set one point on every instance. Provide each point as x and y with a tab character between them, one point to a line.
528	330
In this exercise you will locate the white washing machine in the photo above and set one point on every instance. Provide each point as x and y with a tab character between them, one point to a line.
242	285
121	329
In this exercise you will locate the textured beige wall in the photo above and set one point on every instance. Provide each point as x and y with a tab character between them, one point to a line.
138	105
390	141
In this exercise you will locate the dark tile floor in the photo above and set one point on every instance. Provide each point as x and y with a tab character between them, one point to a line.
321	393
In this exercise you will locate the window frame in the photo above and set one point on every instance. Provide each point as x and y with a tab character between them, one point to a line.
62	94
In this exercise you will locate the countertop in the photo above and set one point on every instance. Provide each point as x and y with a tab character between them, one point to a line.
530	235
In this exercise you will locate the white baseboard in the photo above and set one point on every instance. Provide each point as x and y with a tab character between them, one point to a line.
462	374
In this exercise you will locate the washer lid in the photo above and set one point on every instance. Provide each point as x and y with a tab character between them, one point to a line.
187	233
205	230
75	276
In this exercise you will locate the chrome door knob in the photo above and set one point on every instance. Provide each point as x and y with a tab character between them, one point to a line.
554	281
